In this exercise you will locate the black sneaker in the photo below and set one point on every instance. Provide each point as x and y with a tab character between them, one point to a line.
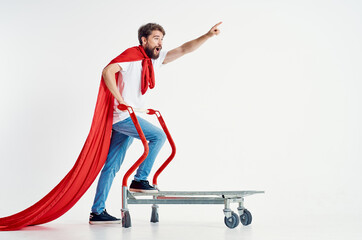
142	186
102	218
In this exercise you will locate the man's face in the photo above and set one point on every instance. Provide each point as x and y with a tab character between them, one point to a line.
153	44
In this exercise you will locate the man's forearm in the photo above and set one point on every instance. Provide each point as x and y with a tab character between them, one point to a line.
194	44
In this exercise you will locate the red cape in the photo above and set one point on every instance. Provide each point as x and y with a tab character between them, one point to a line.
91	159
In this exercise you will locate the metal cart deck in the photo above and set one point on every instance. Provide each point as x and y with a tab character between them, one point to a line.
178	197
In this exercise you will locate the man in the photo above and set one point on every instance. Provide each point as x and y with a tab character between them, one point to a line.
132	91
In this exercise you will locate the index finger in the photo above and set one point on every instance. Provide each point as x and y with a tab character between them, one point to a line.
217	24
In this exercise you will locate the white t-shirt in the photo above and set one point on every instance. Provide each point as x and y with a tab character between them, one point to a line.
129	85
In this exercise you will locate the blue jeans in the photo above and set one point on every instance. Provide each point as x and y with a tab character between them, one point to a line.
123	134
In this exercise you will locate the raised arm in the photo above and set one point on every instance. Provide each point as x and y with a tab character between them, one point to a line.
191	45
110	80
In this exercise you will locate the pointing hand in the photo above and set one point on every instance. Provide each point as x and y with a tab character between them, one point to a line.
214	30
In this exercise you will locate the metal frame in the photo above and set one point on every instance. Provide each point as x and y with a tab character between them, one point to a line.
177	197
189	197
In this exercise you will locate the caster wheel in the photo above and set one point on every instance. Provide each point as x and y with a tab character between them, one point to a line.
154	215
126	219
246	218
233	221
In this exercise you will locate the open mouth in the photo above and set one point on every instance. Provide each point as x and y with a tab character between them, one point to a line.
158	49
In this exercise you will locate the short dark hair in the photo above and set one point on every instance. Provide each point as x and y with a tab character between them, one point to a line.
146	30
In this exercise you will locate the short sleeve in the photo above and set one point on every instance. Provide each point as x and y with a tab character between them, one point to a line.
157	63
124	66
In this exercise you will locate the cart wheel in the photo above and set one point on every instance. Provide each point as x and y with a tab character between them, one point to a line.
233	221
154	215
246	218
126	220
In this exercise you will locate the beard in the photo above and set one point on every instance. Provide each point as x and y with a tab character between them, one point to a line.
151	52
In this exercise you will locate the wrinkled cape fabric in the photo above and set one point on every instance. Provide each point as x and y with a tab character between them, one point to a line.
91	159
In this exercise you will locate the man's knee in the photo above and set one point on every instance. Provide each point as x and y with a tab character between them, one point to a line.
160	137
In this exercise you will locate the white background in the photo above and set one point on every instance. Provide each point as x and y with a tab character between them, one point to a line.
273	103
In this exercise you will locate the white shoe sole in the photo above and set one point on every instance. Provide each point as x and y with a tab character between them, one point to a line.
143	191
105	222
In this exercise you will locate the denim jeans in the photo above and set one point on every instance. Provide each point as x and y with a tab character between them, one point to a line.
123	134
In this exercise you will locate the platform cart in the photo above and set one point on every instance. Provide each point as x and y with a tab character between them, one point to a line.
231	218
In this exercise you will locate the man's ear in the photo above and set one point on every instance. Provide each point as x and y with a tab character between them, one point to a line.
144	40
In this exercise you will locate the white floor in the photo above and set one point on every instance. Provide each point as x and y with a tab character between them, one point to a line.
263	227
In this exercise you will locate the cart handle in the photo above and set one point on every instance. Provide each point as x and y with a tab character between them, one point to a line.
144	141
170	140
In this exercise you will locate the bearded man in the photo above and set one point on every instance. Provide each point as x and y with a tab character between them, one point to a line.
136	68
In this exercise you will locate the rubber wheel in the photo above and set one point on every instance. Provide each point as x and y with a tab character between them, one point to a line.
233	221
246	218
126	220
154	215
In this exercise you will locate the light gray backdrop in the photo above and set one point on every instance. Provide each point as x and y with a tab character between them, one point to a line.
273	103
